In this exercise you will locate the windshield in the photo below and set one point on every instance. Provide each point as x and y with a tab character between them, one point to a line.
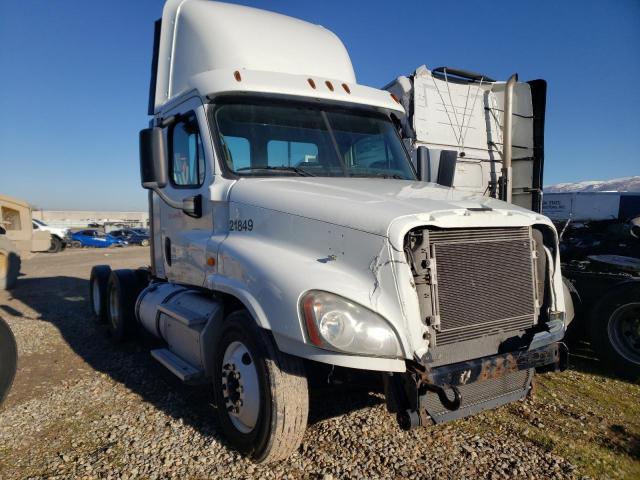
301	140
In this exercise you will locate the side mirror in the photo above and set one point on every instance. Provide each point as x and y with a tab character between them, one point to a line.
153	171
422	164
447	167
153	158
438	166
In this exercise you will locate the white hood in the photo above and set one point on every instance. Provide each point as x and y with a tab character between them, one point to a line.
372	205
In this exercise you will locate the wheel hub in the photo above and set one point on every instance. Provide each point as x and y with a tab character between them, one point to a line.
624	331
240	388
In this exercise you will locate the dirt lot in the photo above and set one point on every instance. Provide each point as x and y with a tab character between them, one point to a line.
81	407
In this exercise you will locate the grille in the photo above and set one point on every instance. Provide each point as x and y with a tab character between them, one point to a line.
486	391
485	282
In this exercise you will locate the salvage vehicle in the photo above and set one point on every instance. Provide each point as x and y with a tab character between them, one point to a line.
15	219
58	235
132	236
600	246
93	238
290	230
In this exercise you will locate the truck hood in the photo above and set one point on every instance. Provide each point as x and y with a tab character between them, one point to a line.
377	205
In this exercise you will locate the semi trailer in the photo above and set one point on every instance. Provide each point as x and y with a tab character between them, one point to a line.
291	232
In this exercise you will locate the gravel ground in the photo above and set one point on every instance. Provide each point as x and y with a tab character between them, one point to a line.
83	408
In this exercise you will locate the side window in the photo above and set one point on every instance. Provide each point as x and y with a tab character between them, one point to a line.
187	155
11	219
290	154
35	225
238	152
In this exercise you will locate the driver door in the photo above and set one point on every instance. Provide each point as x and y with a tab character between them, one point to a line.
180	239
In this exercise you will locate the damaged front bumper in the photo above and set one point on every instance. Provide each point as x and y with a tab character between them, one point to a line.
426	395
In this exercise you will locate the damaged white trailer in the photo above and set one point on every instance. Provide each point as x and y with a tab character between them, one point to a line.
290	232
478	135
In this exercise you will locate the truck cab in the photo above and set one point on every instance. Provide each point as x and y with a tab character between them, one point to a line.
290	229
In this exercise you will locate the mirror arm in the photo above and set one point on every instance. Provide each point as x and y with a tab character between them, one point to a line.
192	206
163	196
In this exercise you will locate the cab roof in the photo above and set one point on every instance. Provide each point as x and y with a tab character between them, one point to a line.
216	48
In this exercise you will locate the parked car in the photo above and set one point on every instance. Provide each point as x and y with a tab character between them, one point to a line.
133	236
58	235
93	238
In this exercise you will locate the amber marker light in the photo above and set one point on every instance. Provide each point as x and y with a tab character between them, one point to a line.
329	85
309	315
346	88
237	76
311	82
211	262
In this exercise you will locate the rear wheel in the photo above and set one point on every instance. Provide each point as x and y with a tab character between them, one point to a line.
9	264
76	244
144	243
8	359
615	329
98	284
122	293
261	393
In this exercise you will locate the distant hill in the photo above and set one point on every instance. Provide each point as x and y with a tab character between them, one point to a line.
625	184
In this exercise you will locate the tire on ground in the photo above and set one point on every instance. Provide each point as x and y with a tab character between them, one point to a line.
9	264
56	244
8	359
284	398
612	337
98	285
123	289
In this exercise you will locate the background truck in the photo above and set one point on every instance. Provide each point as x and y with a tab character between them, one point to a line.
290	235
600	246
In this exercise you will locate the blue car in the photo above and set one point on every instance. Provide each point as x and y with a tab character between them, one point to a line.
92	238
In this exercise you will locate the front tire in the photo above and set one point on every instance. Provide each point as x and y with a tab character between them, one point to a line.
261	394
56	244
615	329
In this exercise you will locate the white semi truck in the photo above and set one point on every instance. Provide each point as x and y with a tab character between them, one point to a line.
291	231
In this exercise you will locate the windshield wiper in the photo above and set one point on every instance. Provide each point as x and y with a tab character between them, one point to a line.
283	168
381	175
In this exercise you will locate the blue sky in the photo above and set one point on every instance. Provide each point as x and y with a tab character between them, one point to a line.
74	81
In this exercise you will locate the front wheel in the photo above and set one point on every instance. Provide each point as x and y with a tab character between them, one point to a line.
615	329
261	394
56	244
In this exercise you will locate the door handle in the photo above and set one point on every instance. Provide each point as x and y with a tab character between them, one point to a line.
167	250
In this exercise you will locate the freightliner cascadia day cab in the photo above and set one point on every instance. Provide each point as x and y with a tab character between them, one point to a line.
291	234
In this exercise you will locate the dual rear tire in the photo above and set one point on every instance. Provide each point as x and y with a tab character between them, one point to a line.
112	296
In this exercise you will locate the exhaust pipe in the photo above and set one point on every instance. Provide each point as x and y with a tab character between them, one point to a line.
505	180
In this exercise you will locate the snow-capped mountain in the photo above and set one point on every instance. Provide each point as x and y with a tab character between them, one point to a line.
625	184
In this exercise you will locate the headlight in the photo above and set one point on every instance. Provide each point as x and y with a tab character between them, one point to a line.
335	323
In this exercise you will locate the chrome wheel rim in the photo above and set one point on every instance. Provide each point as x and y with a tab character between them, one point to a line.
624	331
240	387
95	295
114	309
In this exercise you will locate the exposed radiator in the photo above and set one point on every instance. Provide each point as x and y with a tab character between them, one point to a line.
485	281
